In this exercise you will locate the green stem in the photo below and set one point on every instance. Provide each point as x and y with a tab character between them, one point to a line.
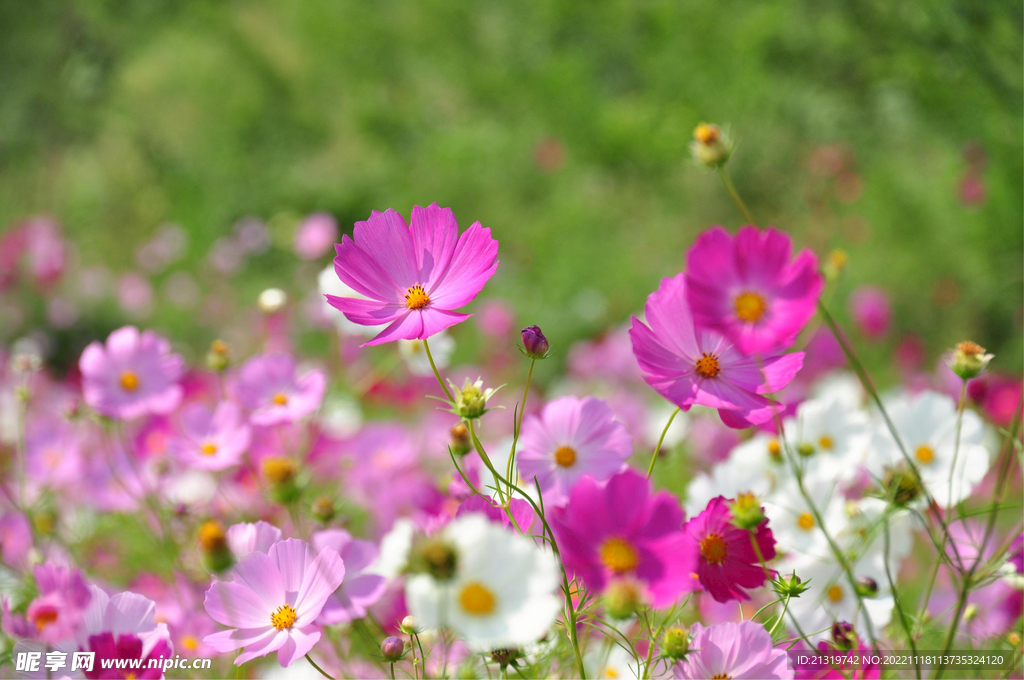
785	608
657	449
322	671
486	460
437	374
518	425
735	195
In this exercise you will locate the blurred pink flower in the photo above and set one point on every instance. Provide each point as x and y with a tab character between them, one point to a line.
870	311
520	509
58	609
269	388
132	375
735	651
135	294
252	537
315	235
415	277
212	440
749	290
360	589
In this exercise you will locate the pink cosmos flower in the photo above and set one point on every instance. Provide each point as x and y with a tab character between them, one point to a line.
273	601
688	365
870	310
63	597
268	386
248	537
360	589
15	538
621	530
571	439
749	290
414	277
728	562
733	650
134	374
125	646
212	441
315	235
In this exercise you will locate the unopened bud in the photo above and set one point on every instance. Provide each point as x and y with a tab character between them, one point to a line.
213	546
711	146
805	449
534	342
746	511
279	473
392	648
219	356
460	441
323	509
676	642
970	612
835	264
901	485
843	635
790	586
867	586
471	399
969	360
622	598
409	626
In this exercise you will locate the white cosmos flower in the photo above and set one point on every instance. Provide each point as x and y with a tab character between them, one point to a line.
797	531
830	597
502	591
829	432
926	423
754	466
441	347
614	662
864	531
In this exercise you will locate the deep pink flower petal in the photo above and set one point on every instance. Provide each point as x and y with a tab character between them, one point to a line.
385	236
474	262
366	312
435	234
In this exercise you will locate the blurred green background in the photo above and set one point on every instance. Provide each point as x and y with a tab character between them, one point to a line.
890	130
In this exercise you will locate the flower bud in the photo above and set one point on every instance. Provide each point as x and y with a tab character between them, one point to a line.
969	360
901	485
213	546
835	263
622	598
392	648
505	657
746	511
790	586
676	642
1013	638
408	626
323	509
843	635
534	342
434	556
460	441
280	475
805	449
471	400
219	356
867	586
970	612
711	146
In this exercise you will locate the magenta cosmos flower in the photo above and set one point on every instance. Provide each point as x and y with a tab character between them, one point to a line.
727	561
733	650
212	441
414	278
134	374
571	439
749	290
688	365
620	530
360	589
273	601
269	387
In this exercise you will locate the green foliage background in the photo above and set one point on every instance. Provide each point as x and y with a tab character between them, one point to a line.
117	117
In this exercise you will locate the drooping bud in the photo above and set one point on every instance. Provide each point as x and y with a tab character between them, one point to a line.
219	356
213	546
280	475
392	648
535	343
969	360
867	586
622	598
676	642
711	146
471	400
324	509
460	442
746	511
844	636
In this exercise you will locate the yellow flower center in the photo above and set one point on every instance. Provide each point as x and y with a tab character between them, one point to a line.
707	366
278	469
476	599
835	593
45	618
611	673
712	548
619	556
208	449
284	617
925	453
189	642
280	399
750	307
826	443
416	297
212	536
706	133
775	449
721	676
565	456
805	521
129	381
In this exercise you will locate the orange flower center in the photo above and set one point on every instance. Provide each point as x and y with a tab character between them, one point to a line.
476	599
45	618
190	643
826	443
416	297
712	548
619	556
707	366
805	521
208	449
129	381
750	307
280	399
284	617
835	593
925	453
565	456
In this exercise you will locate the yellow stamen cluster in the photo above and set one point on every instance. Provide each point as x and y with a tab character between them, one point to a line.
476	599
208	449
278	469
565	456
619	556
713	548
750	307
129	381
805	521
707	366
416	297
925	454
284	617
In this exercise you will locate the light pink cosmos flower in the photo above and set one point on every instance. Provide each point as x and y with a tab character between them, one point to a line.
727	561
268	386
212	441
248	537
134	374
749	290
360	589
571	439
273	601
622	530
688	366
415	277
733	650
59	608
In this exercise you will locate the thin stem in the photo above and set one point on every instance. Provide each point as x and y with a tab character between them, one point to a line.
785	608
392	670
518	425
322	671
657	449
437	374
735	195
898	601
486	460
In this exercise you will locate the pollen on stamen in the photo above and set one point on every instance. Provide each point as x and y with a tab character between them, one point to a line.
416	297
707	366
750	307
284	617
